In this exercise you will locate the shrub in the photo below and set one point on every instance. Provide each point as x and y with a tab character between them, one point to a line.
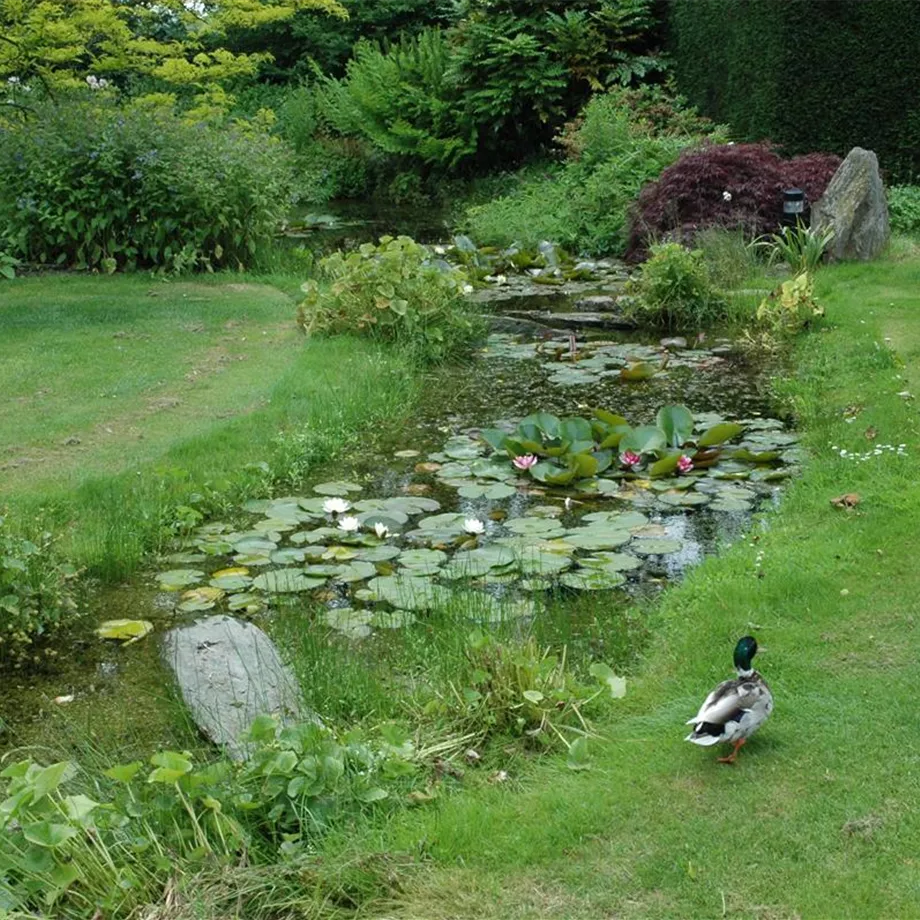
904	208
37	591
396	292
731	186
790	308
87	185
674	290
583	205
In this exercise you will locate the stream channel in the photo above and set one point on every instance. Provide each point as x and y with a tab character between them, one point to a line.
593	549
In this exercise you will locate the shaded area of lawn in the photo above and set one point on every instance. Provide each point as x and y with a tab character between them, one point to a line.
818	817
126	397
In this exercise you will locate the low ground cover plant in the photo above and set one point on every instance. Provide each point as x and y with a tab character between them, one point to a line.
397	291
904	208
89	185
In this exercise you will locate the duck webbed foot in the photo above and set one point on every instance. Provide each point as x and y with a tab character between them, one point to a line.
731	757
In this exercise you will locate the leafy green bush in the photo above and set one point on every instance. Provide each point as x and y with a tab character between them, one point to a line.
674	290
37	591
397	292
114	850
904	208
792	307
87	185
583	205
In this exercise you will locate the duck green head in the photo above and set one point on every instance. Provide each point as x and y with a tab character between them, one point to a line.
745	650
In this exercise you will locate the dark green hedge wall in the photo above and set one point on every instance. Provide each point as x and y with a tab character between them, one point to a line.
811	75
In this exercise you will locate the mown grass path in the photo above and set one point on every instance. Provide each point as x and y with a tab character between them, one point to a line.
819	817
121	397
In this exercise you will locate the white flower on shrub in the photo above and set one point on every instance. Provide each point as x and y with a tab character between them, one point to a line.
96	82
467	288
335	506
349	524
726	196
474	526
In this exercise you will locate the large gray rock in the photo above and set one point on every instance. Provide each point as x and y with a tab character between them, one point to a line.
854	205
229	672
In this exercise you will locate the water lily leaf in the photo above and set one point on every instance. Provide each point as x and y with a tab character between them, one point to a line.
253	560
288	556
475	562
424	561
404	504
339	553
185	558
607	677
531	526
684	499
349	622
382	553
770	475
200	599
392	619
535	562
639	370
460	447
313	506
326	570
246	601
337	488
491	469
231	582
286	581
610	418
255	545
617	520
356	571
179	578
677	424
392	519
610	562
450	521
552	474
407	592
492	491
646	439
494	437
592	580
549	511
127	631
719	434
665	466
275	525
597	537
730	505
650	546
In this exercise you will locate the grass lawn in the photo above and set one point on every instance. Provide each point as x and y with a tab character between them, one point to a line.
818	818
122	396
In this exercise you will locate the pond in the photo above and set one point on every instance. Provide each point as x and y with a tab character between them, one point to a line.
440	519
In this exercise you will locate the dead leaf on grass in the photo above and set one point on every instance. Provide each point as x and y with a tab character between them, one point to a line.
870	433
847	500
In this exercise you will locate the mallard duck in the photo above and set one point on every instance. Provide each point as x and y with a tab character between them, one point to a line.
736	708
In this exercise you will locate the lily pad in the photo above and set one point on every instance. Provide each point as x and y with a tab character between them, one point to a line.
406	504
618	520
185	558
382	553
546	564
255	545
493	491
736	505
611	562
286	581
652	546
406	592
246	601
234	579
337	488
175	579
535	526
592	580
392	619
597	537
475	562
288	556
450	521
253	560
351	623
200	599
423	561
127	631
684	499
356	571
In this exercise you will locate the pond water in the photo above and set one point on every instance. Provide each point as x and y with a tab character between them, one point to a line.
591	543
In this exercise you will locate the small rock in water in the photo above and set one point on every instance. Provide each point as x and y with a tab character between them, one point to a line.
675	343
596	303
229	672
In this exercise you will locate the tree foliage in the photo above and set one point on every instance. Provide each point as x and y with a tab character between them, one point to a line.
57	44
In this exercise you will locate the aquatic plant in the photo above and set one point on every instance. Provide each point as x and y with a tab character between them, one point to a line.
574	449
791	307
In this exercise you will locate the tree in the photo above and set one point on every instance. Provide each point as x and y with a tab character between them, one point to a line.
59	44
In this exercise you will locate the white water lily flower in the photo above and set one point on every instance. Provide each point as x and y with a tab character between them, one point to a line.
474	526
349	524
336	506
381	530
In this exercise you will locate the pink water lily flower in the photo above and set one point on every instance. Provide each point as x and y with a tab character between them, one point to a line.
525	462
631	458
684	464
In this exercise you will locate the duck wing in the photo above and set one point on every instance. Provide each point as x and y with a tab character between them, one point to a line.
727	702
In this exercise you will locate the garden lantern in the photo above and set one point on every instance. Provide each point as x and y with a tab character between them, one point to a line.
793	206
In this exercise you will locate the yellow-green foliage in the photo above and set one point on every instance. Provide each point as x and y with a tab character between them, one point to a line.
396	291
792	306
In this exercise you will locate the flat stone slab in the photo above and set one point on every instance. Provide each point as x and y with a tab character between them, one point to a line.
597	303
574	320
229	672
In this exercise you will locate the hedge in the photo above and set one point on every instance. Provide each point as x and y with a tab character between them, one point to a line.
808	75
